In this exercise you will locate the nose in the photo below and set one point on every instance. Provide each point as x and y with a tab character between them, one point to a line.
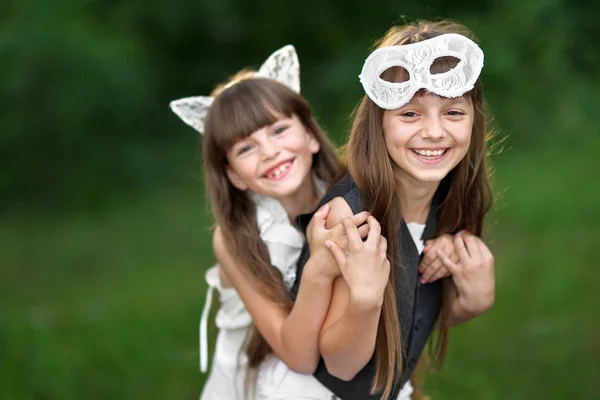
269	149
433	128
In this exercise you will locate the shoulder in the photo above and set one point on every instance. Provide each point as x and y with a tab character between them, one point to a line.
339	209
219	245
339	190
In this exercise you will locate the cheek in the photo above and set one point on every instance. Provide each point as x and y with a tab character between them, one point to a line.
463	135
245	168
301	144
396	136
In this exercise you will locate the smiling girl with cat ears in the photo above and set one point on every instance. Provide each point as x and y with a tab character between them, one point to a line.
266	160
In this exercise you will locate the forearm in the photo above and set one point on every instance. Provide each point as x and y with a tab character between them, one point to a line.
348	344
462	313
300	331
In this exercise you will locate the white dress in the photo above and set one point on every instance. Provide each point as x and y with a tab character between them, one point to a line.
277	382
284	243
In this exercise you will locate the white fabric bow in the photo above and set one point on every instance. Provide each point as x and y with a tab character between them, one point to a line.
282	66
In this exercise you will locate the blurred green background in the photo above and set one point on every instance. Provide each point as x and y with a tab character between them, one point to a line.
104	228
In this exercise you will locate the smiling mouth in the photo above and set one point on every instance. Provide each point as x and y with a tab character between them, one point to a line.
430	154
279	171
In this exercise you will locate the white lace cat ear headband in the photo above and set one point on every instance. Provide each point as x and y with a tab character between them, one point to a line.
416	59
282	66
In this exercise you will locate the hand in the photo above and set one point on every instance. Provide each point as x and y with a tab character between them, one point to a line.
473	274
317	235
365	266
432	268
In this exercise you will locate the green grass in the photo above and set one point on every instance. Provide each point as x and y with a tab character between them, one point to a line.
106	305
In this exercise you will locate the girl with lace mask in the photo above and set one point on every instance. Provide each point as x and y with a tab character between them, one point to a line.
266	161
416	160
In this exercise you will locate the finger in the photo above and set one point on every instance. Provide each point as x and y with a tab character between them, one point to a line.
485	251
450	250
430	271
360	218
374	232
441	273
387	267
429	256
454	257
337	253
451	266
320	216
363	231
459	246
472	246
383	245
354	240
428	244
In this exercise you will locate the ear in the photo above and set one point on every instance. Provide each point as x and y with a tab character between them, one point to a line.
313	144
235	179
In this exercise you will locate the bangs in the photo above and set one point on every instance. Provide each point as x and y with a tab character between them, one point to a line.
246	107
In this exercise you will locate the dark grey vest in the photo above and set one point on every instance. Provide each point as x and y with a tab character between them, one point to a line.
418	305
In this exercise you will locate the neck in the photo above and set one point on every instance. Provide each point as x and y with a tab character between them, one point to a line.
415	198
302	201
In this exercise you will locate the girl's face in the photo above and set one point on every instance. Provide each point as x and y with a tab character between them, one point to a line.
427	137
275	160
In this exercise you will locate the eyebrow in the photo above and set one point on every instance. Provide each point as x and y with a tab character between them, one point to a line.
447	100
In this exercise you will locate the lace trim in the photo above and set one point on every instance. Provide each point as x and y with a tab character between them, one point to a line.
416	59
282	66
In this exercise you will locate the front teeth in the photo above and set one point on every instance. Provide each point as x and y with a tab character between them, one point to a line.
279	170
430	153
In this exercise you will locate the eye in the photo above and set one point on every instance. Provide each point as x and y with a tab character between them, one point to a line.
243	149
279	130
409	114
456	113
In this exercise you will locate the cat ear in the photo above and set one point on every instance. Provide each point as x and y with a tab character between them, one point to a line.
192	110
284	67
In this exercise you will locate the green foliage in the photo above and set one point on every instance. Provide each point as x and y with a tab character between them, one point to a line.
84	86
104	236
106	305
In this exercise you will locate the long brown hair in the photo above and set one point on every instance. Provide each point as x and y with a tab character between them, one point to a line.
468	199
244	105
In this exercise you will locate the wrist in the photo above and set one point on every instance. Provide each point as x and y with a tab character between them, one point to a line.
471	308
316	271
362	301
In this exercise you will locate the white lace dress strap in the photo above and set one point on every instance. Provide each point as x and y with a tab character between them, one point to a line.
212	278
232	313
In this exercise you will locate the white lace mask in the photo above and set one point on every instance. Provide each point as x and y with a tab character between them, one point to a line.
416	59
282	66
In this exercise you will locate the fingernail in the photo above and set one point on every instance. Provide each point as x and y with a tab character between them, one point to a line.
423	281
327	244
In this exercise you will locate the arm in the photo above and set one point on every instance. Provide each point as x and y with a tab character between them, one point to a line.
460	315
349	332
293	336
